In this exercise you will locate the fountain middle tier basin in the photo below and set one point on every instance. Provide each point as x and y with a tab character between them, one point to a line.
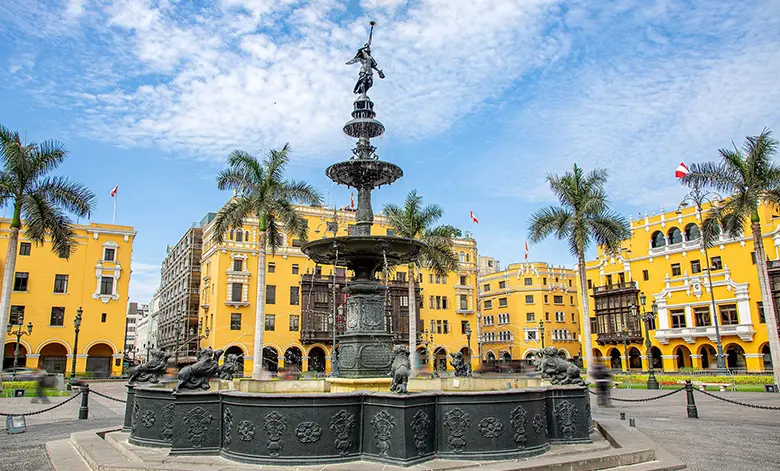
309	428
363	252
358	173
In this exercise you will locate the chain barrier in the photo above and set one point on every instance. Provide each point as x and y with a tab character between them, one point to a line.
92	391
647	399
755	406
44	410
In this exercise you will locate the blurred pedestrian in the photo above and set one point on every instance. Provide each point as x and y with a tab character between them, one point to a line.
40	387
603	382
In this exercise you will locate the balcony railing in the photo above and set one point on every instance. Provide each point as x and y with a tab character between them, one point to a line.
614	287
616	338
744	331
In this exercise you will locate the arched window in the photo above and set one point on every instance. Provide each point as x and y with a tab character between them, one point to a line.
462	256
467	257
675	236
231	234
692	232
658	239
239	236
246	236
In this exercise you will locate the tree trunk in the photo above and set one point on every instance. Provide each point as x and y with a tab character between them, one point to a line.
8	277
766	297
257	369
586	339
413	323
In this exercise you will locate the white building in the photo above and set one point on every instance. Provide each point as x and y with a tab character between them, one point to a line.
135	312
146	328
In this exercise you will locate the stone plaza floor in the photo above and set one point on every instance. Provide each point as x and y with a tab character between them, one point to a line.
726	437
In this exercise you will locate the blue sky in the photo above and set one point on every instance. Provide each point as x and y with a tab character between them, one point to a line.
482	99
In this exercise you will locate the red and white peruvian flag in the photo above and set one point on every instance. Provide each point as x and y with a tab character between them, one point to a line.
526	250
682	170
113	192
473	218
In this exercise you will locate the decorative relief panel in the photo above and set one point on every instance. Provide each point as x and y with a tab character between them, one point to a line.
420	423
383	424
148	418
457	421
227	426
274	424
167	416
197	420
566	414
519	420
490	427
342	423
347	356
308	432
245	431
376	356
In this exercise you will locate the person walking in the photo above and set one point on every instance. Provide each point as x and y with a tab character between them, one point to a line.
603	382
40	387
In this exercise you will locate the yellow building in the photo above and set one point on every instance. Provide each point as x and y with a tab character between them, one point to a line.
48	291
299	296
664	259
527	306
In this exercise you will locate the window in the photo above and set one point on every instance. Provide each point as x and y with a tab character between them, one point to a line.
544	280
502	285
271	267
560	317
20	281
24	248
486	287
463	325
270	322
609	280
17	315
295	295
60	283
530	317
400	276
761	317
463	280
103	317
590	284
318	270
438	279
464	302
236	292
297	243
488	304
753	257
270	294
675	236
331	226
438	302
546	299
571	300
432	303
446	326
529	298
235	320
107	285
678	318
444	303
530	335
695	266
528	282
717	263
645	275
108	254
438	327
676	269
728	314
701	316
557	299
569	283
502	302
573	317
350	229
295	323
239	236
238	265
547	317
342	272
295	269
405	301
57	316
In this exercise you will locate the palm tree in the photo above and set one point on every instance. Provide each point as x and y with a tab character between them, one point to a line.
262	191
41	201
415	222
582	218
749	175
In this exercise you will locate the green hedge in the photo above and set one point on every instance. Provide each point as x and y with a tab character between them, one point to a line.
669	380
30	388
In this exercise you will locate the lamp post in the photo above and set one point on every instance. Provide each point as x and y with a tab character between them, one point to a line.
697	196
624	339
468	344
176	351
646	317
19	333
541	331
76	328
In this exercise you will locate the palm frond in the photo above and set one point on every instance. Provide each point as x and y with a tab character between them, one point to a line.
550	221
70	195
300	192
42	219
231	216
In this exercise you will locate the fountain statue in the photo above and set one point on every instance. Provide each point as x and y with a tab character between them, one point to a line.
365	348
152	370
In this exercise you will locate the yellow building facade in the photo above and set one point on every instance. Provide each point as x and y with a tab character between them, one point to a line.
299	296
49	290
526	306
664	260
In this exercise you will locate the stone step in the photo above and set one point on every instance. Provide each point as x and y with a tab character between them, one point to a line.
64	456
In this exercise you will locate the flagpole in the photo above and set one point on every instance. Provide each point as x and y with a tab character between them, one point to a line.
116	197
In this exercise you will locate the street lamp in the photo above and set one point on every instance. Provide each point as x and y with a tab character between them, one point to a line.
646	317
624	338
19	333
76	328
541	331
468	344
428	341
697	196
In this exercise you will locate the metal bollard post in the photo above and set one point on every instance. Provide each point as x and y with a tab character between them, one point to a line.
622	416
693	412
84	409
631	422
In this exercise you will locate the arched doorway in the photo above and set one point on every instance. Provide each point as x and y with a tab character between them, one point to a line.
767	357
615	362
597	355
440	356
99	360
317	360
293	359
683	357
491	357
8	358
709	357
237	351
270	359
634	359
563	354
54	358
505	356
658	363
422	357
735	356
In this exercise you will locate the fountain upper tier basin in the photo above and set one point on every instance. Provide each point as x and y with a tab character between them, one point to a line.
363	252
360	173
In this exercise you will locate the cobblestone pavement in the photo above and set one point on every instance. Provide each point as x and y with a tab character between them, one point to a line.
27	451
726	437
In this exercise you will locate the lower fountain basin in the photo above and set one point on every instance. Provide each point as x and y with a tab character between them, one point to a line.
320	428
363	251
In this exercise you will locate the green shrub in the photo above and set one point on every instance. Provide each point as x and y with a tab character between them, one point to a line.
672	379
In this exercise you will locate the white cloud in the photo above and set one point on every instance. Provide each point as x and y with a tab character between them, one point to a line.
144	280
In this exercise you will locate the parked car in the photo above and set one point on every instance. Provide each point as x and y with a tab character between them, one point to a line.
20	373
